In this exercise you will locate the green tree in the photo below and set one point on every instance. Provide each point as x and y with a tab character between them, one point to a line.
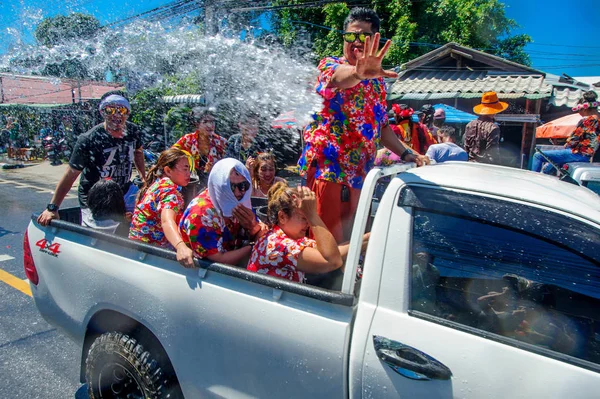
414	27
55	30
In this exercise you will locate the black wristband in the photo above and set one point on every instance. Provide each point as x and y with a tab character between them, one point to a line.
405	153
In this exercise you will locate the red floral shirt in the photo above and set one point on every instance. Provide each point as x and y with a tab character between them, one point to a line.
206	231
216	150
343	137
277	255
146	224
584	139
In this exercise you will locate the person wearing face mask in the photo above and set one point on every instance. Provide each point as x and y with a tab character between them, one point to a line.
341	142
219	223
285	251
105	151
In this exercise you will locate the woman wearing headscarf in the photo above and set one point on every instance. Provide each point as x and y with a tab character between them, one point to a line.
219	223
583	141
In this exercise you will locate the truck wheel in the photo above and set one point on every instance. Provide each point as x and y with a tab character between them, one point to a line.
118	367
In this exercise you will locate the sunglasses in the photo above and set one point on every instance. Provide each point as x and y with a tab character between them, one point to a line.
350	37
114	110
242	186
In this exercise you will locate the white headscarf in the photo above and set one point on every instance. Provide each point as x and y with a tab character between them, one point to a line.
219	187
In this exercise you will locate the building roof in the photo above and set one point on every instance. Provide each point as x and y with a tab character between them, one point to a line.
454	71
30	90
432	85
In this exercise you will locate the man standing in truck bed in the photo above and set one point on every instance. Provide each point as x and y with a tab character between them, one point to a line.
341	142
105	151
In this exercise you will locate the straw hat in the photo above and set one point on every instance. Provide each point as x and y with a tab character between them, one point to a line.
490	104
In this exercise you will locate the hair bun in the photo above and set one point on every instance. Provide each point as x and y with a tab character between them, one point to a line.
590	96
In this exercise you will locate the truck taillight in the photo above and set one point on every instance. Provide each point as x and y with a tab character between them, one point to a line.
30	270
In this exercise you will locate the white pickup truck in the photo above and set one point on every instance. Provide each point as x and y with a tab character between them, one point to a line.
479	282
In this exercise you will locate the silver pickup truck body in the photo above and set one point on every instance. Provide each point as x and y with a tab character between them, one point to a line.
225	332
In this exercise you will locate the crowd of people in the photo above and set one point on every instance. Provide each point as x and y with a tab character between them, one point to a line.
306	228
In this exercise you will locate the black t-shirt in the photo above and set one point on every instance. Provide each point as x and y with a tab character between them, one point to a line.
98	155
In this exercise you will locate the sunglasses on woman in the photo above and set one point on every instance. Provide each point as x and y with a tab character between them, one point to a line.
242	186
351	37
115	110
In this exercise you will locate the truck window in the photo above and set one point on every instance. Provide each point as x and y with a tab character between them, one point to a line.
484	277
592	185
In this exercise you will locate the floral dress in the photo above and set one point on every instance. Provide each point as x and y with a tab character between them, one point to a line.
206	231
585	138
216	150
146	224
275	254
343	138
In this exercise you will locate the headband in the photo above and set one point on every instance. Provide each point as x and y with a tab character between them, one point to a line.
114	99
591	104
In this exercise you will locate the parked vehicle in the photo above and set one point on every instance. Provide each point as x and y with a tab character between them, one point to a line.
479	281
583	174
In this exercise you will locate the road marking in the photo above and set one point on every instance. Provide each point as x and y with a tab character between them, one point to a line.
15	282
38	189
5	257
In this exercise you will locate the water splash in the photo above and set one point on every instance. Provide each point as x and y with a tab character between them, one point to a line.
229	72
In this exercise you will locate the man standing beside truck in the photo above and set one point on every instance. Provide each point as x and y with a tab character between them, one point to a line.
104	152
341	142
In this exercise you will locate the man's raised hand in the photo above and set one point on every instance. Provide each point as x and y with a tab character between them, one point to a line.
368	65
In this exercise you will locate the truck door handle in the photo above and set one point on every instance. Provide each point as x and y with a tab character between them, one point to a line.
408	361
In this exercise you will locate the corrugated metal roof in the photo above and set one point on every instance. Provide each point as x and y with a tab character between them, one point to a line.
425	85
567	96
185	99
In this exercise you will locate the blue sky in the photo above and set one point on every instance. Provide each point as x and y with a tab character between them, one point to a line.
566	34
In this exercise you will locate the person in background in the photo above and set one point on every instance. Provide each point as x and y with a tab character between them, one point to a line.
447	150
285	251
341	143
246	145
439	117
263	175
582	143
108	150
205	146
107	207
219	223
160	205
423	132
482	136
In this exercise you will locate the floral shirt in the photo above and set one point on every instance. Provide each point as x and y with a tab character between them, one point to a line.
203	163
344	135
277	255
146	225
206	231
584	139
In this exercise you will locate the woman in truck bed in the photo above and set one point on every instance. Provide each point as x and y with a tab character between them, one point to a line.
219	223
286	251
160	205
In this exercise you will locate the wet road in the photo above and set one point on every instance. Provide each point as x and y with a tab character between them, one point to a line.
36	360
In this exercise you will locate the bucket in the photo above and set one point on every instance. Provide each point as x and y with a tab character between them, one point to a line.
261	212
193	188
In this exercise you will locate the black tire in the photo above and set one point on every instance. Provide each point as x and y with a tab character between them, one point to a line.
118	367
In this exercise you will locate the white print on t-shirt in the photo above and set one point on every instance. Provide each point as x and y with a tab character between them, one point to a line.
118	168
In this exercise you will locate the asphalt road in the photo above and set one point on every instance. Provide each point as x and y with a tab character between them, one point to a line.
36	360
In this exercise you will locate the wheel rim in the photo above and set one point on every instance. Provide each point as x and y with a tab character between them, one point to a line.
117	382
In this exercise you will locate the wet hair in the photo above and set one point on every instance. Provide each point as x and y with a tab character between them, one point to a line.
448	131
117	92
262	157
280	198
588	97
105	200
362	14
198	113
168	157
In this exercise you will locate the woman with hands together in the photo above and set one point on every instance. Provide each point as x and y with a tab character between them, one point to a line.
285	250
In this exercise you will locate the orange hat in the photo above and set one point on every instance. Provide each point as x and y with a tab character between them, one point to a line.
490	104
